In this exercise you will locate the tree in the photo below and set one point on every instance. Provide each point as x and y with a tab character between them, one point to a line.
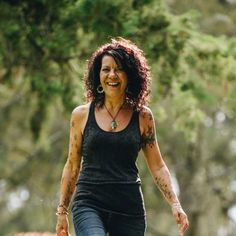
43	57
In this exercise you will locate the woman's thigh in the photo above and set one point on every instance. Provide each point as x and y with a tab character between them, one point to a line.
120	225
89	222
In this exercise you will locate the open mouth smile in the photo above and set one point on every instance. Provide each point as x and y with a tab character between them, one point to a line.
113	84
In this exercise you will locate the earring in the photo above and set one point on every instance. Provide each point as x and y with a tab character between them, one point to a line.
127	91
100	89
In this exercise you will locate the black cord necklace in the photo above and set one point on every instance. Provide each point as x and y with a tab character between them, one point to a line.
114	124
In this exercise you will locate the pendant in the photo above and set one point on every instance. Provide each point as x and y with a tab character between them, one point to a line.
113	125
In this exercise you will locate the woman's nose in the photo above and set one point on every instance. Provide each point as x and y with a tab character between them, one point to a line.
112	74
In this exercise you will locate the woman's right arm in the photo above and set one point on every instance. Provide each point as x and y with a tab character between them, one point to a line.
71	169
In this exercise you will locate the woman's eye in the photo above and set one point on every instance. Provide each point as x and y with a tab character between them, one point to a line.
105	69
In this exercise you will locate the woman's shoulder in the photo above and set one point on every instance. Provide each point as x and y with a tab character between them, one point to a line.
146	113
146	119
81	111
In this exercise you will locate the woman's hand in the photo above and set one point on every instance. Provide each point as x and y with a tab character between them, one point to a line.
180	218
62	227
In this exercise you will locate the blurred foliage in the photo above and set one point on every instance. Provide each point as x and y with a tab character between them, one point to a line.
43	53
218	17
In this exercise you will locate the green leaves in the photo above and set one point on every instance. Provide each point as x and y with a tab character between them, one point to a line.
43	53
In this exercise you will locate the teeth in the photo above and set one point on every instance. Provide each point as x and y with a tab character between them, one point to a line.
112	84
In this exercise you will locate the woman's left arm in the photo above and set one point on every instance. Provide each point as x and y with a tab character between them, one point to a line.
158	168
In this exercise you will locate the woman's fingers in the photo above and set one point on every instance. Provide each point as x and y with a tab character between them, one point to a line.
183	225
181	219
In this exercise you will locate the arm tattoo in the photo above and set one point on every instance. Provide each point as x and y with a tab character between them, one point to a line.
70	186
150	117
165	189
69	191
148	138
70	172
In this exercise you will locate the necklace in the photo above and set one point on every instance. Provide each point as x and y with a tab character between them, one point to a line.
113	123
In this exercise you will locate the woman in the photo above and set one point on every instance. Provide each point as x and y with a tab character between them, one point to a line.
106	135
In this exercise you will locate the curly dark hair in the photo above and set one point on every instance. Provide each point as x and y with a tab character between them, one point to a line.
133	62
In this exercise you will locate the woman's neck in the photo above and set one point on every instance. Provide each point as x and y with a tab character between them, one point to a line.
114	103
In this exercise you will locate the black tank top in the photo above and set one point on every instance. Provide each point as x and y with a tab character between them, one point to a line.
110	157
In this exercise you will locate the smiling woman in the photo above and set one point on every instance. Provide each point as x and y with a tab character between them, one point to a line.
124	59
113	78
106	136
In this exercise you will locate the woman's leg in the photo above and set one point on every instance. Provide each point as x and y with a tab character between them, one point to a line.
119	225
88	221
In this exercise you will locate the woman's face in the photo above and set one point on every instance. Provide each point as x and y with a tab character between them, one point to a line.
112	77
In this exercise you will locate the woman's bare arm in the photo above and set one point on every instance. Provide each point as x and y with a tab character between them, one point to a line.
71	169
72	166
158	168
